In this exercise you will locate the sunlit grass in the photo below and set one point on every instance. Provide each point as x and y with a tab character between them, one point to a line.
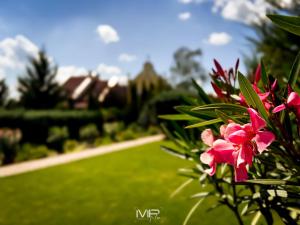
105	190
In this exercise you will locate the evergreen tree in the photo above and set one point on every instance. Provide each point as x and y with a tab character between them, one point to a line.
38	88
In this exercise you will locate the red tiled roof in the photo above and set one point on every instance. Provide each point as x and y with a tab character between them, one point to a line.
72	83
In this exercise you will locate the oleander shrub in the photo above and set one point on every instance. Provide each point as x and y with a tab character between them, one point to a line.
245	144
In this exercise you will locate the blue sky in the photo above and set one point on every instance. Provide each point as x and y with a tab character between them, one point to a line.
145	28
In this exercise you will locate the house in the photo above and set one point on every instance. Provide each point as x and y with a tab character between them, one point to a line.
91	92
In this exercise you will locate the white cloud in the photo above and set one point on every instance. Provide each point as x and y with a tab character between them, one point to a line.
64	72
221	38
125	57
108	70
184	16
108	34
14	52
244	11
14	55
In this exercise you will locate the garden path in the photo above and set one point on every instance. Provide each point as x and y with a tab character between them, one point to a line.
32	165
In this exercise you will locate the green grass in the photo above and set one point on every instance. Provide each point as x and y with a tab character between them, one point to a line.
105	190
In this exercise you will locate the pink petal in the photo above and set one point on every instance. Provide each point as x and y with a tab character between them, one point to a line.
279	108
264	96
207	157
222	145
207	137
241	173
223	129
231	128
238	137
245	154
212	170
263	139
256	121
257	74
293	99
217	90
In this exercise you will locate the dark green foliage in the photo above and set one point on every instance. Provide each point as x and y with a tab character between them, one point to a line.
56	137
38	88
277	47
160	104
29	152
89	133
34	124
3	93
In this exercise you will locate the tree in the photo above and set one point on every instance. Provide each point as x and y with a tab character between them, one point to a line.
276	47
38	88
187	65
3	93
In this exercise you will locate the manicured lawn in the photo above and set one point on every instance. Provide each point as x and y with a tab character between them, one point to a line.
105	190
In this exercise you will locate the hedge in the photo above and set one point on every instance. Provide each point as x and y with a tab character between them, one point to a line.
35	124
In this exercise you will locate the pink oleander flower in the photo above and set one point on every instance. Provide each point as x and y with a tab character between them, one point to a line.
293	102
240	144
220	151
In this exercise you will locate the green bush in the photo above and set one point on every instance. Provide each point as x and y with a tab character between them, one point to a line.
153	130
160	104
9	140
70	145
127	134
113	128
102	141
29	151
56	138
34	124
89	133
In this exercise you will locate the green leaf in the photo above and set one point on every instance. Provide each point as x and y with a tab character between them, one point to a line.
200	195
177	117
174	152
192	210
267	181
294	73
225	117
264	76
181	187
221	107
251	96
213	121
205	123
288	23
256	218
203	96
203	115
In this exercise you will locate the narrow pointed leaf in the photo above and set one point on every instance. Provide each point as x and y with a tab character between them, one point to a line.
251	96
177	117
193	209
294	73
288	23
181	187
202	95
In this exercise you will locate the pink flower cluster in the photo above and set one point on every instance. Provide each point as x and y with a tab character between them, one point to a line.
237	145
